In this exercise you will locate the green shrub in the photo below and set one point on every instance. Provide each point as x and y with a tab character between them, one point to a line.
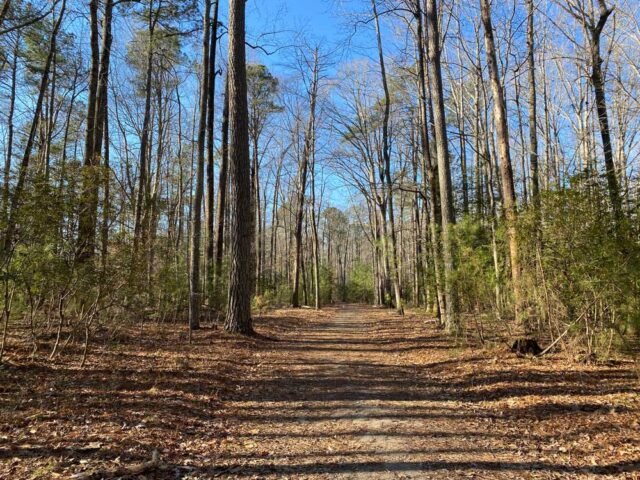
475	276
359	288
585	274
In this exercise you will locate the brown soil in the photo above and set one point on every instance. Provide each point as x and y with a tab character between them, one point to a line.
349	392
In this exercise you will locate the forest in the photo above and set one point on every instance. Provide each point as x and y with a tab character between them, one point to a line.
320	239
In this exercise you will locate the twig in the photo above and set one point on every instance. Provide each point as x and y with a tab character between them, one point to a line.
553	344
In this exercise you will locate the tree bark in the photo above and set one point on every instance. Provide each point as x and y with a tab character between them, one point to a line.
195	293
307	152
106	199
10	126
101	129
594	30
428	174
222	194
533	125
418	273
209	209
275	221
89	198
386	158
442	152
315	239
142	199
241	275
506	172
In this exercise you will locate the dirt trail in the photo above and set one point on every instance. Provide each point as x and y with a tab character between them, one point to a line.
345	393
357	393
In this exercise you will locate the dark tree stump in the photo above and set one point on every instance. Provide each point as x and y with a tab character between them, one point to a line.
526	346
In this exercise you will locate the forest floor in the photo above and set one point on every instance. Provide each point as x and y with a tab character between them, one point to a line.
349	392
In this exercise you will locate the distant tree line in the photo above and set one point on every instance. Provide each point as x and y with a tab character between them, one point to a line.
484	168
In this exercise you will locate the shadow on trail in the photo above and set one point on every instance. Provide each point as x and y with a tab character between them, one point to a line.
354	382
364	396
335	468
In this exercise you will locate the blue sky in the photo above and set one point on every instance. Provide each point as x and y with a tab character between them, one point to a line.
317	18
277	25
327	22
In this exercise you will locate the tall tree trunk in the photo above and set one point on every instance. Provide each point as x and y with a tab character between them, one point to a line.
222	194
106	199
89	198
594	30
257	220
314	232
479	139
50	117
428	171
493	214
275	221
506	172
209	209
533	125
181	181
307	152
241	276
101	128
303	264
154	204
195	293
418	273
63	160
523	156
386	155
462	139
10	126
142	199
442	152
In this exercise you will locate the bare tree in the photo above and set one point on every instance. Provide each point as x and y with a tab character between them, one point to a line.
429	170
533	117
307	153
10	125
385	171
506	172
209	210
442	151
222	192
195	293
593	25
